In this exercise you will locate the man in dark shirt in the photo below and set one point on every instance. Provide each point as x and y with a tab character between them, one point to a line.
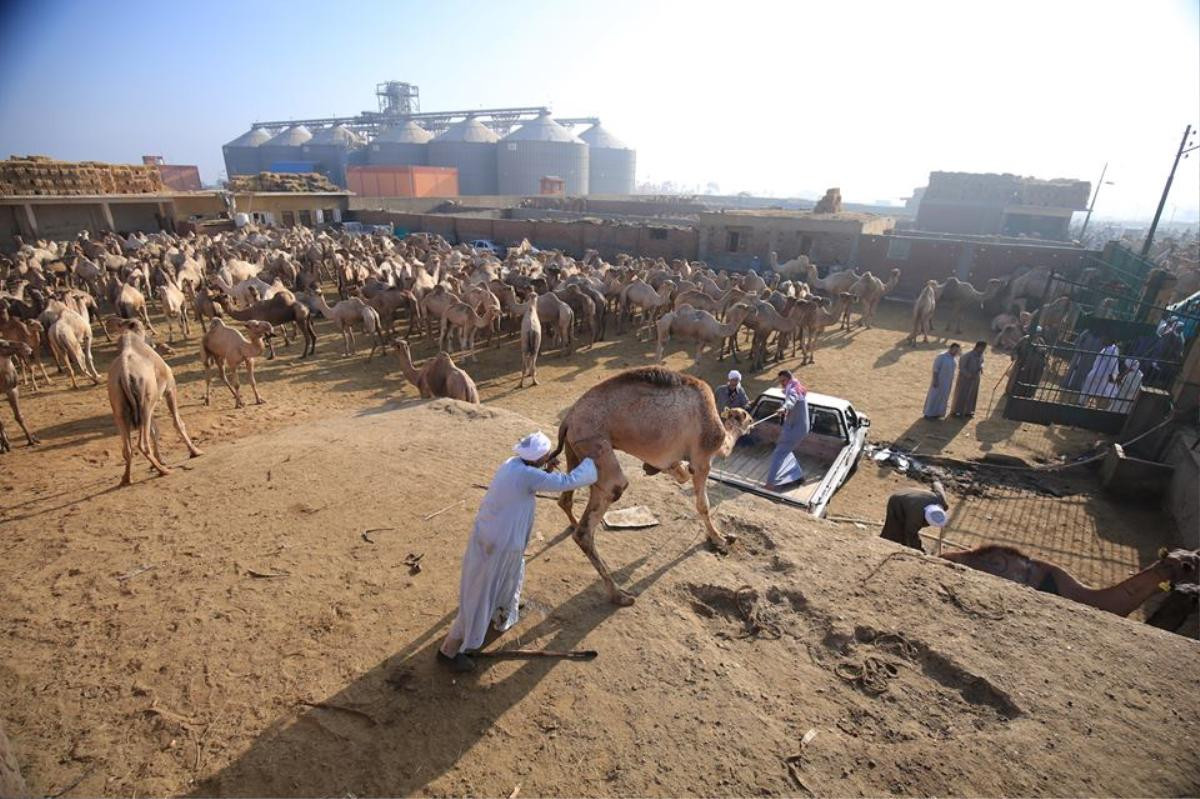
908	512
732	395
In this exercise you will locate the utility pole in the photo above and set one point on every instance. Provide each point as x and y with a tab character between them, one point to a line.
1183	149
1092	207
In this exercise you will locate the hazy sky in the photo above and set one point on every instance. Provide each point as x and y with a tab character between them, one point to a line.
776	98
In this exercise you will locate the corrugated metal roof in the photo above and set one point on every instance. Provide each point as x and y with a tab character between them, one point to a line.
543	128
290	137
408	133
469	130
599	137
251	138
336	134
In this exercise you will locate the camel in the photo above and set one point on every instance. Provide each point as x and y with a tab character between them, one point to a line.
8	384
27	332
433	304
349	313
835	284
128	301
660	417
138	378
693	324
531	341
583	307
641	295
172	304
555	313
795	268
463	318
439	377
1180	566
226	347
959	294
923	309
1055	315
816	314
869	291
281	310
71	343
390	300
764	320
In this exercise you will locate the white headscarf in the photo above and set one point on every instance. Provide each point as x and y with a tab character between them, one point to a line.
935	515
533	447
735	375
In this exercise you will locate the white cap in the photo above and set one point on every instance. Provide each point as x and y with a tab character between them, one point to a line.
734	374
533	446
935	515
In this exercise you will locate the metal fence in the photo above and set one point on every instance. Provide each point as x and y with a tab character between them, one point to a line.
1100	379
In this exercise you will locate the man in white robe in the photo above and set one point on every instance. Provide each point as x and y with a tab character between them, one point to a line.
1101	382
493	569
938	396
1127	389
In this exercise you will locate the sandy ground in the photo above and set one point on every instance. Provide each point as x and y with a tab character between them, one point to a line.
186	676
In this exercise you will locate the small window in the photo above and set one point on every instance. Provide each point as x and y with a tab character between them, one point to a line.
733	241
898	249
659	233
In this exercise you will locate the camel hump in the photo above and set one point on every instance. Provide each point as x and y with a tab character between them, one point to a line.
652	375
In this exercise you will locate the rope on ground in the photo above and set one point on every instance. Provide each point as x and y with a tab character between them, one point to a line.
897	644
871	676
1092	459
746	599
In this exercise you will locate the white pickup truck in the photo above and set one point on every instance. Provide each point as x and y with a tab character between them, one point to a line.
829	453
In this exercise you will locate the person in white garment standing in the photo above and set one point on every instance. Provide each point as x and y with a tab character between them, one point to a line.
938	396
493	569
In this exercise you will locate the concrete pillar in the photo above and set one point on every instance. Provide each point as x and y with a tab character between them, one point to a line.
337	214
853	260
30	229
106	212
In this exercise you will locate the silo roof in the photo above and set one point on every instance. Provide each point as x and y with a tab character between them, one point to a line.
543	128
408	133
336	134
290	137
251	138
469	130
599	137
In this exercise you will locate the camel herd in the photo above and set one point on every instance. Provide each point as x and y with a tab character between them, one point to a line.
248	289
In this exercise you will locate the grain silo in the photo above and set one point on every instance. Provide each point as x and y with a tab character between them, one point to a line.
541	148
241	154
403	144
611	164
284	148
470	147
330	149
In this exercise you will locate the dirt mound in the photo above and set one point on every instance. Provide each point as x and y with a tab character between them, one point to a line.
230	630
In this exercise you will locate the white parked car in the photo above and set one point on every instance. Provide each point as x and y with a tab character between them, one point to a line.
829	453
489	246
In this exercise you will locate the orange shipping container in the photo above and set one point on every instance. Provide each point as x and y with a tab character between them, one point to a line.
402	181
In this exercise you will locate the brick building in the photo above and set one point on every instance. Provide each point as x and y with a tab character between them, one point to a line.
1003	205
739	239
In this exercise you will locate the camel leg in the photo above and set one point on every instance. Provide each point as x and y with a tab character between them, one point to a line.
237	387
566	500
16	409
700	487
679	472
146	318
70	370
254	383
145	439
173	407
126	447
207	380
604	492
91	364
154	441
225	379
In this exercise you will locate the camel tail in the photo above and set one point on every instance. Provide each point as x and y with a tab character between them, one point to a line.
531	342
562	441
133	405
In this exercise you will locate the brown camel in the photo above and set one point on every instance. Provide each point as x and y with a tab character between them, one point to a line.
224	347
439	377
463	318
959	294
138	378
693	324
531	340
923	309
816	314
835	284
1179	566
280	310
28	332
869	291
8	385
641	295
658	416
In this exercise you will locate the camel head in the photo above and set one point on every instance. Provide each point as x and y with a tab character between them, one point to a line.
259	329
18	348
1178	566
737	422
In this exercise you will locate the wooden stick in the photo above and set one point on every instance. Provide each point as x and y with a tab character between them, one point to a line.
139	570
577	654
439	512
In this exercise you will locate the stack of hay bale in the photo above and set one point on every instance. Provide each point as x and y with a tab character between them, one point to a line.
39	175
831	203
282	181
